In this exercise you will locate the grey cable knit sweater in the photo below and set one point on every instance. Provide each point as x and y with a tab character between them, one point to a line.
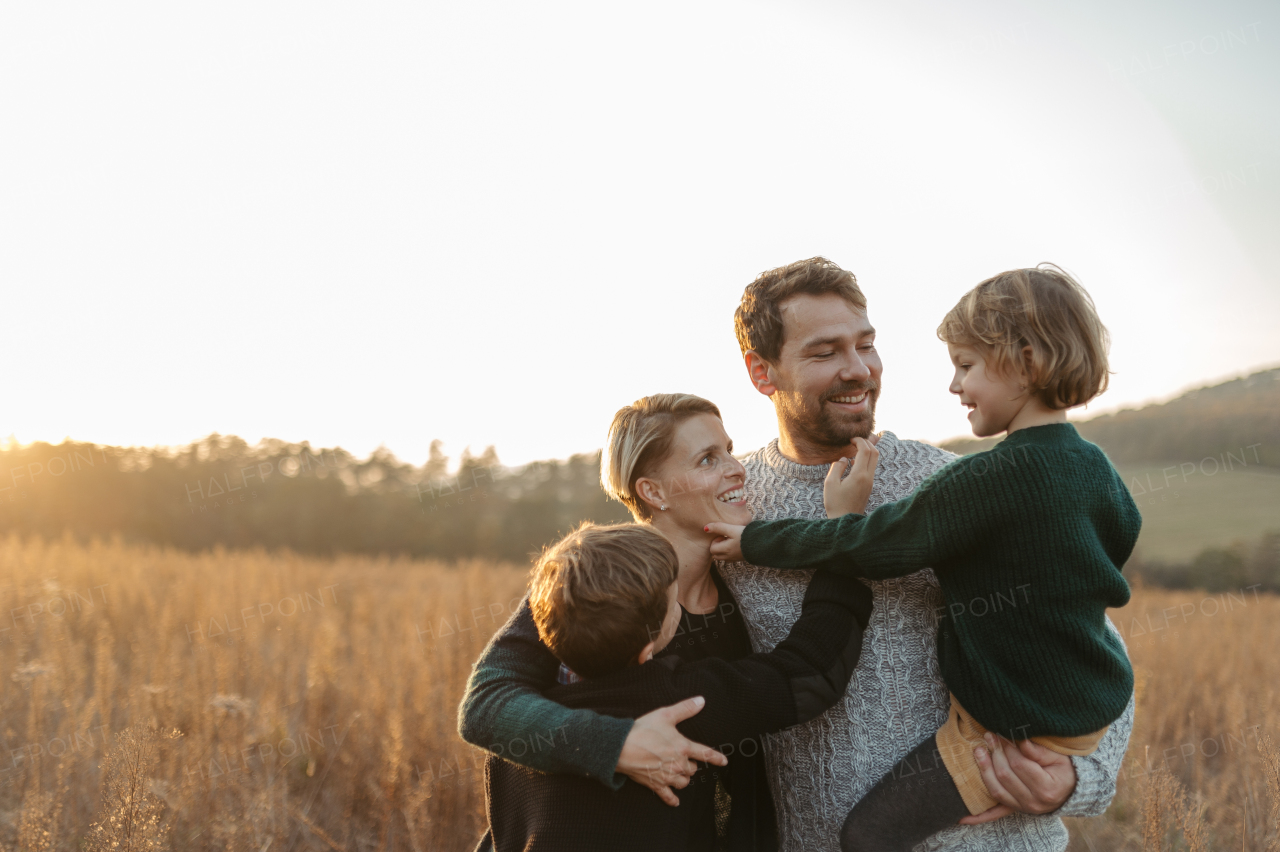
897	697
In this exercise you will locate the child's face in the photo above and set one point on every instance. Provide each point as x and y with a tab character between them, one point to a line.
993	400
671	623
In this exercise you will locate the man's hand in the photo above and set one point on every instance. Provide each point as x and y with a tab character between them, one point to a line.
660	757
840	496
728	547
1023	777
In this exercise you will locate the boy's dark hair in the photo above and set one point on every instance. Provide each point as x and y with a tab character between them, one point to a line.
1047	310
758	320
599	595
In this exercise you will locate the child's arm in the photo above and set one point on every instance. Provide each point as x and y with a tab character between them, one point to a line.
795	682
939	519
504	703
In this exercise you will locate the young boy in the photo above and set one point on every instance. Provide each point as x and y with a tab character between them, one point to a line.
603	599
1026	539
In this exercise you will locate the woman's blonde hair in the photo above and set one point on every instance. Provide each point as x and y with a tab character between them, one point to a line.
640	436
1043	308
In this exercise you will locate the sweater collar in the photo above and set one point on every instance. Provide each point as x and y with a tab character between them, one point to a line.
785	467
1050	433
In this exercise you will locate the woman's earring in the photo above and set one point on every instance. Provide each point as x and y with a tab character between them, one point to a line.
663	507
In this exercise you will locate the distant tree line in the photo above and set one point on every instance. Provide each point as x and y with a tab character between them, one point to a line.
221	490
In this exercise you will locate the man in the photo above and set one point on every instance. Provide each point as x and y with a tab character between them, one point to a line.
808	344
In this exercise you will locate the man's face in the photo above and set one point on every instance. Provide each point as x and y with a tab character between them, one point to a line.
828	373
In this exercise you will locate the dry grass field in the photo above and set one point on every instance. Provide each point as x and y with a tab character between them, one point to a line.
154	699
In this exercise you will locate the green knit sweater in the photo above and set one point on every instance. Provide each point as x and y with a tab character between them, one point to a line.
1027	540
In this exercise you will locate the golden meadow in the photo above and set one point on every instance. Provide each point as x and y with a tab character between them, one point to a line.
247	700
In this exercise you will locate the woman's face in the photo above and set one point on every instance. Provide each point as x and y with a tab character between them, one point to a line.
700	480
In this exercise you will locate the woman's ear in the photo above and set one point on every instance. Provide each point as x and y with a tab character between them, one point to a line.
760	372
650	491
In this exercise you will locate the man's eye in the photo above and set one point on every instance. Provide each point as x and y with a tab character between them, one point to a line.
825	354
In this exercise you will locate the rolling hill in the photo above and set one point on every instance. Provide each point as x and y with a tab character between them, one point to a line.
1204	468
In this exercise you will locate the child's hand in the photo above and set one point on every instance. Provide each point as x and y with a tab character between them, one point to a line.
727	548
840	497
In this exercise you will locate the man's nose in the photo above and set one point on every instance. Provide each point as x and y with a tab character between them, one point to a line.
855	369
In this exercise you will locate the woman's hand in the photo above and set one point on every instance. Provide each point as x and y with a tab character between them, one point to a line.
728	547
1023	777
850	494
659	757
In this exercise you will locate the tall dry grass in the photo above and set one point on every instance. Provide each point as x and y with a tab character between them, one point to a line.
1202	771
314	700
157	699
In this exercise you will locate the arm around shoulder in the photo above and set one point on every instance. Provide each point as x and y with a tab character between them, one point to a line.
504	705
797	681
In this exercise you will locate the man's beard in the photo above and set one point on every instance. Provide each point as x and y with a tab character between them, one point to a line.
820	425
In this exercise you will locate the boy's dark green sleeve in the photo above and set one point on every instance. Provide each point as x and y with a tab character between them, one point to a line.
504	707
936	521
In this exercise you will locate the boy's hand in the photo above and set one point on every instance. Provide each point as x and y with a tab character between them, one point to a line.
850	494
727	548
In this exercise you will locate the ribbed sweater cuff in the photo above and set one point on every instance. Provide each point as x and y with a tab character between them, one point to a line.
1095	788
601	759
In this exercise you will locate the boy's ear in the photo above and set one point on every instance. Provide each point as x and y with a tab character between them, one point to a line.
1026	365
760	372
647	654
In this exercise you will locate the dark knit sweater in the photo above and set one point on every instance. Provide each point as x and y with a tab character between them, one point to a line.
1027	540
757	694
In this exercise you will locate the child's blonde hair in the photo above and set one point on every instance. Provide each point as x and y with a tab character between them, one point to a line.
1047	310
599	595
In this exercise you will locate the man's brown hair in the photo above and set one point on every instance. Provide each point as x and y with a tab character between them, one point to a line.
1043	308
758	320
599	595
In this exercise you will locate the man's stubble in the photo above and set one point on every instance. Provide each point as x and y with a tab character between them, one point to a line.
814	423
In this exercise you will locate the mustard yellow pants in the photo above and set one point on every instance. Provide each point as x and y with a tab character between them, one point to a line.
962	733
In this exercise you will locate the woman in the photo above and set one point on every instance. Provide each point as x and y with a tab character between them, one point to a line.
669	460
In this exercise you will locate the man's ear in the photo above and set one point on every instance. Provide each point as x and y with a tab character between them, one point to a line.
761	373
650	491
647	654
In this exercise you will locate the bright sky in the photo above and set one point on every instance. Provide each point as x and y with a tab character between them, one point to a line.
498	222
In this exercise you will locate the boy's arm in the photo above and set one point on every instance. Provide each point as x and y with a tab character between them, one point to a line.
939	519
800	679
504	704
